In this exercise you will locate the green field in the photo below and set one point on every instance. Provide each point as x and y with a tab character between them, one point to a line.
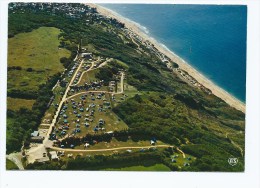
89	77
16	104
10	165
37	50
156	167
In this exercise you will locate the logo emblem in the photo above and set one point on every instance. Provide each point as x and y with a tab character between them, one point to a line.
233	161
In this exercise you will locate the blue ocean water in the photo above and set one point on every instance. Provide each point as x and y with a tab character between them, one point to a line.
211	38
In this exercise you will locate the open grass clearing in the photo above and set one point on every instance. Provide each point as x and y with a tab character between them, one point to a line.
156	167
37	50
24	80
89	77
116	143
73	154
16	104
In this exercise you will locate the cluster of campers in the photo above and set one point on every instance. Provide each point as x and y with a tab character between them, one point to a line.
81	115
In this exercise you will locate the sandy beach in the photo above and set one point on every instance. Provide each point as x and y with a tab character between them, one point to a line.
216	90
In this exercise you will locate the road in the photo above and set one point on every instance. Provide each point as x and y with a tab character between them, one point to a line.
85	92
37	152
61	102
122	83
91	68
183	154
111	149
16	158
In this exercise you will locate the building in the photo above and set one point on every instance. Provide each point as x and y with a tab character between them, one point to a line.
112	83
35	133
86	55
37	139
54	155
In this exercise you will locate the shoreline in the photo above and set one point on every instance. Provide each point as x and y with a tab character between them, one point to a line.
136	28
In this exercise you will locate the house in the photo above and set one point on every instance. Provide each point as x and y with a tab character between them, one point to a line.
54	155
86	55
35	133
37	139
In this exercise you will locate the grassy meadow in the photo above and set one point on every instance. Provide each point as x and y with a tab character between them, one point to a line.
156	167
38	50
16	104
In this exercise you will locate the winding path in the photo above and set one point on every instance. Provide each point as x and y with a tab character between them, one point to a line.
183	154
235	144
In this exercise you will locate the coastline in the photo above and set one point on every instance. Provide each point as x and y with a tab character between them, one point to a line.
216	90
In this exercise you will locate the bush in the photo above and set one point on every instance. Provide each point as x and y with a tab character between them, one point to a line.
29	70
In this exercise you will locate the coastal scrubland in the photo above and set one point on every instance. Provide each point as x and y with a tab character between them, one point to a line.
160	104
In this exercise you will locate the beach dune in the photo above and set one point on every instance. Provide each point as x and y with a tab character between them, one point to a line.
216	90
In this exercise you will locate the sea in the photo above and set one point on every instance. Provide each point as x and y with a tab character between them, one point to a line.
211	38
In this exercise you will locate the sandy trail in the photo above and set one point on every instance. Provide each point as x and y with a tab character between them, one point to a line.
111	149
